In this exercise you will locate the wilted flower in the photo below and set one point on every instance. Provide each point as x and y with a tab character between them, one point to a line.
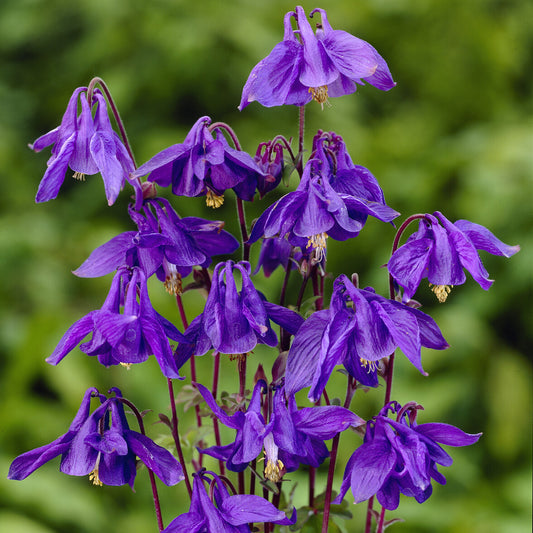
165	244
399	456
358	330
221	512
102	446
203	165
292	437
440	252
307	66
87	145
127	337
234	322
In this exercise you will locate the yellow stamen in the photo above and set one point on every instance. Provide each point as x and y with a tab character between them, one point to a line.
441	291
127	366
320	95
238	356
172	283
370	366
213	200
93	476
80	176
318	242
274	471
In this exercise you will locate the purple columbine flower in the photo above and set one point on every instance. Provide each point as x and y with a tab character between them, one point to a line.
203	165
307	66
440	252
164	244
101	444
321	207
292	437
359	328
269	158
234	322
87	145
123	338
221	512
399	456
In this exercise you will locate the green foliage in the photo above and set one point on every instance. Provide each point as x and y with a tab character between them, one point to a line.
454	135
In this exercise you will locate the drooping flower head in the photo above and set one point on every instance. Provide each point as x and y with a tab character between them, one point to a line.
440	251
234	322
203	165
164	244
308	65
87	145
126	337
269	158
358	330
324	206
220	511
292	436
399	456
101	444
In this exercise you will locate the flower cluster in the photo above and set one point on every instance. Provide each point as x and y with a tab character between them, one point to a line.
359	330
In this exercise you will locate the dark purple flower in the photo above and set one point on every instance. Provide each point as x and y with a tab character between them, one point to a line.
399	456
275	251
203	165
221	512
292	437
124	338
234	322
165	244
102	446
87	145
440	252
269	158
324	205
307	66
358	330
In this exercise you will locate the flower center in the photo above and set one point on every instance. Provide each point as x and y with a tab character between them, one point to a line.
172	283
127	366
274	471
370	366
318	243
441	291
80	176
93	476
213	200
320	95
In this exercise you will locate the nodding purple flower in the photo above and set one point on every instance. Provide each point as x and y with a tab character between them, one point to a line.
307	65
269	158
101	445
87	145
164	244
292	436
219	511
234	322
203	165
324	204
358	330
439	251
400	456
126	337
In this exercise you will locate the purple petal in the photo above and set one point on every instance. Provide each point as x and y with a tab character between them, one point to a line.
483	239
447	434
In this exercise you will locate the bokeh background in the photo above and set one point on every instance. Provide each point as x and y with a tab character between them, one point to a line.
455	135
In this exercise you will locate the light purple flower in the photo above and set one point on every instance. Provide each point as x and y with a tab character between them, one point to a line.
360	328
87	145
307	66
440	251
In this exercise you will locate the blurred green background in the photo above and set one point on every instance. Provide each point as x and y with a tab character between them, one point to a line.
455	135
